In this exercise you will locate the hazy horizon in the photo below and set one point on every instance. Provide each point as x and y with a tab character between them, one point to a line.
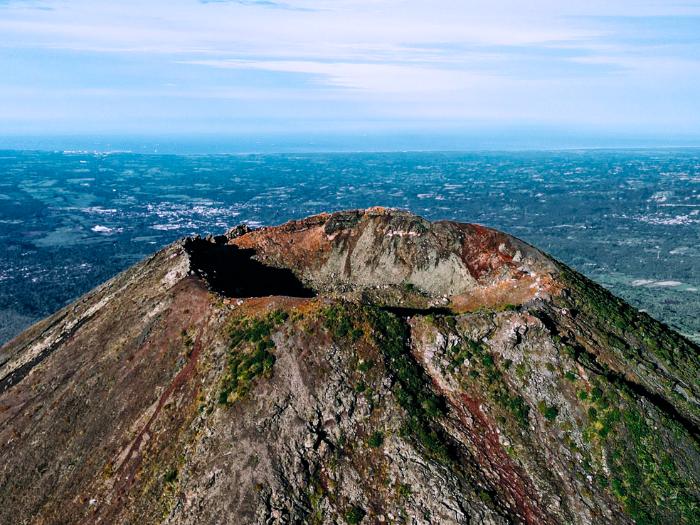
340	143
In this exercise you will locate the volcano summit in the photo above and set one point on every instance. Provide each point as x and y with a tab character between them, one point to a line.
357	367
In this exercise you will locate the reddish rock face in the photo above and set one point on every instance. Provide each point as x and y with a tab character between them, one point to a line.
365	365
465	266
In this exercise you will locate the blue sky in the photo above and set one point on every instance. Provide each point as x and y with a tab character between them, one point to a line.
349	66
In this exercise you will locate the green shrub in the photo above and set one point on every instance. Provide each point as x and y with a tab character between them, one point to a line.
550	412
278	317
355	515
458	355
404	490
365	366
596	393
376	440
170	476
338	319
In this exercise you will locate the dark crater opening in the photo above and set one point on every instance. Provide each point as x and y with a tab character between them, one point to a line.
232	271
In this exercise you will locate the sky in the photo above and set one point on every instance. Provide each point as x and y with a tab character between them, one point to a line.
188	67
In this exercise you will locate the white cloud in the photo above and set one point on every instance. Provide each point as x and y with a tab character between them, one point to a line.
375	77
234	28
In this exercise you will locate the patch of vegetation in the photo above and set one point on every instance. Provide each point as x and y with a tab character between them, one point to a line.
521	370
170	476
596	394
249	354
485	371
316	494
365	365
550	412
355	515
518	407
487	361
338	319
410	287
485	496
457	355
507	308
278	317
412	386
376	440
404	490
643	473
631	334
646	478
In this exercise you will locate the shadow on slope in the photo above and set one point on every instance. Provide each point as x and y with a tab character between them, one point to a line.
232	272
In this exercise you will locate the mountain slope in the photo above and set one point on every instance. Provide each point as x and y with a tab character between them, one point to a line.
364	366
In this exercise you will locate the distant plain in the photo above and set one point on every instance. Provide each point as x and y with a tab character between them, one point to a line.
629	219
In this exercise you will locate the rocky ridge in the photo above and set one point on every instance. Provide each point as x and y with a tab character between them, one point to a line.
357	367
